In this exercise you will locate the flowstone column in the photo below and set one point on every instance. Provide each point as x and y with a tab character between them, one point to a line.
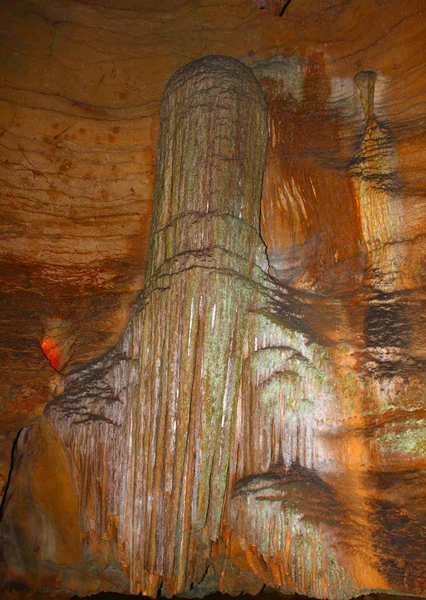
205	246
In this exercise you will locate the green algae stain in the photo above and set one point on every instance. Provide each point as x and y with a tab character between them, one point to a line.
411	440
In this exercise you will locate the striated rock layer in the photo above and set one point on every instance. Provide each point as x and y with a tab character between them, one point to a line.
229	441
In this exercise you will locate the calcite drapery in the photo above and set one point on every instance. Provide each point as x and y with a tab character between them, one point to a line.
199	446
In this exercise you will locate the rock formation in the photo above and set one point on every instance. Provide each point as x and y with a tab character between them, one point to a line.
260	421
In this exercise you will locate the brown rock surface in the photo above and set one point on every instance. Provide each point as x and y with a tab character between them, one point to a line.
342	216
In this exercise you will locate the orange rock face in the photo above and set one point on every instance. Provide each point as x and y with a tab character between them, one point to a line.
342	219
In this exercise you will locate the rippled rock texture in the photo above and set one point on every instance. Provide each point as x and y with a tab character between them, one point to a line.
261	420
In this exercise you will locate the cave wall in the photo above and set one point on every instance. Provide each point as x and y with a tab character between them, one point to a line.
342	219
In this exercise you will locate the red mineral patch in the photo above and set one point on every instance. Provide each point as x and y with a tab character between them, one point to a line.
52	351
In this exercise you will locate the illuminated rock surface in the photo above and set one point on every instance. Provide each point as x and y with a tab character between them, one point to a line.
249	429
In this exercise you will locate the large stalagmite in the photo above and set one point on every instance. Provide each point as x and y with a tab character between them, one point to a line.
220	445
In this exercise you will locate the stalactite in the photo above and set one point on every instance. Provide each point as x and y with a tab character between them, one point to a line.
377	185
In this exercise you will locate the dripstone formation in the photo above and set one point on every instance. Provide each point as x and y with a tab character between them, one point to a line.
226	442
